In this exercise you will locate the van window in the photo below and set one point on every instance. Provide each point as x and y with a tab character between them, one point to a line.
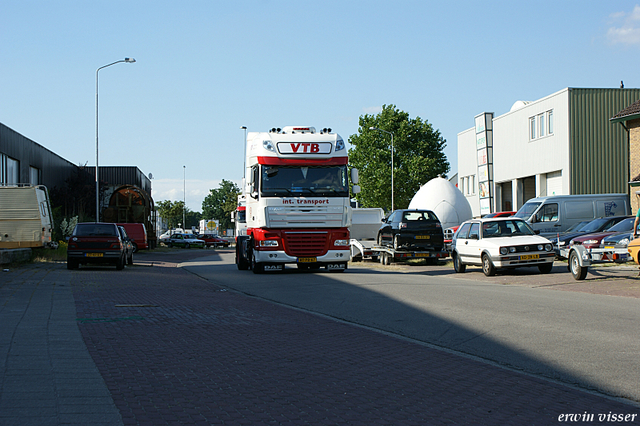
579	209
548	213
527	210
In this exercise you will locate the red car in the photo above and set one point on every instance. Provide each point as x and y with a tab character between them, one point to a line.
590	241
212	240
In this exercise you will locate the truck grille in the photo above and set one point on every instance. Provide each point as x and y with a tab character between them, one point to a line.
305	244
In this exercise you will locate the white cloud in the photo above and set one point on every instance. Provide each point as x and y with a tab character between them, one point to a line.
372	110
627	30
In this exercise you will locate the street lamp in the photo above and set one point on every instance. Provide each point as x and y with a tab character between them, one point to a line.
244	168
184	197
375	128
129	61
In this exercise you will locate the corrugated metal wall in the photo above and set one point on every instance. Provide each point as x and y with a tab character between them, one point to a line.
599	150
54	170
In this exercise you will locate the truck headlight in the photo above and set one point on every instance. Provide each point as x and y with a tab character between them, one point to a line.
268	243
342	243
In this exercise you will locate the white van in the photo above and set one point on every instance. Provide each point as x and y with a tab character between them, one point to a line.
25	217
554	214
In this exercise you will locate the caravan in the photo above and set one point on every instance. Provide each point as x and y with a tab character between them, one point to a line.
554	214
25	217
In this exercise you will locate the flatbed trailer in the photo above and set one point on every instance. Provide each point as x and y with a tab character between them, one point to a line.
369	250
580	258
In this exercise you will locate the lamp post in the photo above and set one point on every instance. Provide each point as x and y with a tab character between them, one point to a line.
375	128
244	168
184	197
129	61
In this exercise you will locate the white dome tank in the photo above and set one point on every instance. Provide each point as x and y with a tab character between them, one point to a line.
445	200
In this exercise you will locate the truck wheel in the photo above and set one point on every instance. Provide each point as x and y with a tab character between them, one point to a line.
579	272
241	258
545	268
458	266
256	267
487	266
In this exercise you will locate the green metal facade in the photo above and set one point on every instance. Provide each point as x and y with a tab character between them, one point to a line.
598	149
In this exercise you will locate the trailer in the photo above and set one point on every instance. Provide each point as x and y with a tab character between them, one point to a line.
25	217
580	258
388	255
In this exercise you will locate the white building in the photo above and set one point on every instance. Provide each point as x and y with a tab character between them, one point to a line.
561	144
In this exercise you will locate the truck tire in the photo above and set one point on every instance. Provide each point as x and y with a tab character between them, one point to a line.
579	272
256	267
241	257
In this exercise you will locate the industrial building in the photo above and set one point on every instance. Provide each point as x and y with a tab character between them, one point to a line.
564	143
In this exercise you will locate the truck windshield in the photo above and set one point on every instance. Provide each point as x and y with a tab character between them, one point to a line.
324	181
527	210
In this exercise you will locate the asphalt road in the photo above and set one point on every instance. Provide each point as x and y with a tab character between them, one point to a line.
520	321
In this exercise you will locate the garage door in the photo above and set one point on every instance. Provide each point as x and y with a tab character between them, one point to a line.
554	183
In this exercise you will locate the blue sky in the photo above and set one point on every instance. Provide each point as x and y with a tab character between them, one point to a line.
206	68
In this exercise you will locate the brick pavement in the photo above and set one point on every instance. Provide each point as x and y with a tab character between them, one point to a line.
175	349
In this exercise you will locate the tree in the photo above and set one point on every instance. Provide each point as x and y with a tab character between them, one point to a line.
172	212
418	157
220	203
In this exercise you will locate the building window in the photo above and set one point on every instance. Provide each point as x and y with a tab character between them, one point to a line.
34	176
541	121
532	128
550	119
13	174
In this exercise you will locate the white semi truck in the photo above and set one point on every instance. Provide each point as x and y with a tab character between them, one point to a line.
297	201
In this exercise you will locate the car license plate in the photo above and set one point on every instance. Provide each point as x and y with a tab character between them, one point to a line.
422	254
529	256
609	247
307	259
423	237
93	254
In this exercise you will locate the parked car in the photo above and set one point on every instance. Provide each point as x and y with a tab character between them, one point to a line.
212	240
128	245
138	234
448	236
99	243
593	240
500	243
617	240
596	225
185	241
634	250
412	229
498	214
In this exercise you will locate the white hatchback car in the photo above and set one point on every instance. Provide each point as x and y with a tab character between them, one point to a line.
500	243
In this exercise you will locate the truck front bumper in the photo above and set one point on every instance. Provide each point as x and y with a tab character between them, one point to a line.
272	256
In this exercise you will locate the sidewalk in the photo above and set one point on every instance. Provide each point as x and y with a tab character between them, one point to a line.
156	345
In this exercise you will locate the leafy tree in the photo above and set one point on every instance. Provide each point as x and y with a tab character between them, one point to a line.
418	157
172	212
221	202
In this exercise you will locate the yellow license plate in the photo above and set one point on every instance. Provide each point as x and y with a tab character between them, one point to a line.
609	247
529	256
422	254
93	254
423	237
307	259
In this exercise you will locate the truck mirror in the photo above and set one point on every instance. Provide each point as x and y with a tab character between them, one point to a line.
354	177
355	189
